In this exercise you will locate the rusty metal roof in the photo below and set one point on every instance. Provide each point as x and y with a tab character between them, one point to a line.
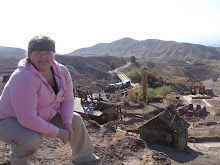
172	119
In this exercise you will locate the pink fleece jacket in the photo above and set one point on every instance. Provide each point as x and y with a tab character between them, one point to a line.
28	97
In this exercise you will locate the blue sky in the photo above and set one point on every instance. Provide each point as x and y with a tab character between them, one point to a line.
75	24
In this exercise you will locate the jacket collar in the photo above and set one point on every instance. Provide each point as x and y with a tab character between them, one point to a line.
23	64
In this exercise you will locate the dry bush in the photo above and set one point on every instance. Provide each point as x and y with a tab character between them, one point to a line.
193	133
214	132
217	111
116	97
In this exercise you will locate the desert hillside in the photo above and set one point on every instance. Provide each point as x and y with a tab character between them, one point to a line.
150	48
6	52
91	72
181	69
88	72
143	49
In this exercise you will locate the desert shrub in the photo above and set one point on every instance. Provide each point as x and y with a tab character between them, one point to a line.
218	85
116	97
163	91
151	94
214	132
178	83
180	86
134	75
194	133
153	77
217	111
196	125
135	95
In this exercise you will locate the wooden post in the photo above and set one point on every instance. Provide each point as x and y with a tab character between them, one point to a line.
144	86
169	139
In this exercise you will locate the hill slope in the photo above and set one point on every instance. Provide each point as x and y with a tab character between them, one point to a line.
152	48
90	72
12	52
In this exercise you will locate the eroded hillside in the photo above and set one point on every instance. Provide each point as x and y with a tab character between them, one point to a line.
88	72
151	48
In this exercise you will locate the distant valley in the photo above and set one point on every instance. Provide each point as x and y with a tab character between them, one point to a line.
90	67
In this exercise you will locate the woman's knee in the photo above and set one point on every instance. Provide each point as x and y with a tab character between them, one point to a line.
77	120
27	145
35	140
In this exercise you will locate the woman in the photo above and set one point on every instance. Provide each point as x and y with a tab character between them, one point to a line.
37	97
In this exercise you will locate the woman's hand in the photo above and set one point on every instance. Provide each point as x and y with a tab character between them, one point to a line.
69	128
63	135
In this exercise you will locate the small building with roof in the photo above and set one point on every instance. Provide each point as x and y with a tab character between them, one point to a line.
166	128
102	112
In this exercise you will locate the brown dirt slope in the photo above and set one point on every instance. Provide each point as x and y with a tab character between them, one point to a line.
111	147
92	71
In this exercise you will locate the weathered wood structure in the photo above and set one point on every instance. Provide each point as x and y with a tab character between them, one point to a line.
196	89
200	89
85	95
166	128
102	112
190	111
111	111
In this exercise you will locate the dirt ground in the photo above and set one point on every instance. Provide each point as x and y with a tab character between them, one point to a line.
206	153
112	147
118	148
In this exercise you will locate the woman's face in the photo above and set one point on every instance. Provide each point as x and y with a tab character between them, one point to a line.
42	60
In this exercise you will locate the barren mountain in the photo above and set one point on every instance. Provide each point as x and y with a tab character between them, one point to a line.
11	52
151	48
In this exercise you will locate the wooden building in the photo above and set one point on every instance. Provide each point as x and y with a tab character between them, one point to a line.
102	113
166	128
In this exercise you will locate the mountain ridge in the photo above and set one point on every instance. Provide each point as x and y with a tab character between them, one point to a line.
126	47
151	48
6	52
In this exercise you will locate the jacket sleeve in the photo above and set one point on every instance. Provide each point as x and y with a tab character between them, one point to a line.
24	97
67	105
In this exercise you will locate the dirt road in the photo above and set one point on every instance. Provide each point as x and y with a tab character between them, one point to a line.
200	154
